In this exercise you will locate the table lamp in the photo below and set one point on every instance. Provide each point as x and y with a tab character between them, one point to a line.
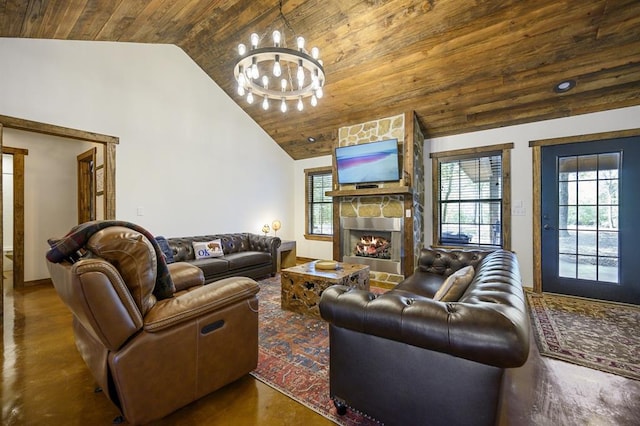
276	225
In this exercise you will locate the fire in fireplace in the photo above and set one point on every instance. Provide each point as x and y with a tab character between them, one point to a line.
373	246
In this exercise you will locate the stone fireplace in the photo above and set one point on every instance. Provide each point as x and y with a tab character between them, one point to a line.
373	241
382	226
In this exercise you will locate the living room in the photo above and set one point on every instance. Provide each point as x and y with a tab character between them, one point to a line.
181	109
189	160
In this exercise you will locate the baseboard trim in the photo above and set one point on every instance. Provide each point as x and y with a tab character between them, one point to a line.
45	281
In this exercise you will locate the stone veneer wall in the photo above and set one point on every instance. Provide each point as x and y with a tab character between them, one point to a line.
418	190
375	206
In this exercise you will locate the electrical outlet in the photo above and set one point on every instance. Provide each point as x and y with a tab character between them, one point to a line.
518	211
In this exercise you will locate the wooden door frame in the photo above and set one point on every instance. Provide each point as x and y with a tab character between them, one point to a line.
536	146
18	213
86	165
109	144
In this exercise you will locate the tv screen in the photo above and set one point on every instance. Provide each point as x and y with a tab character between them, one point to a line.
368	162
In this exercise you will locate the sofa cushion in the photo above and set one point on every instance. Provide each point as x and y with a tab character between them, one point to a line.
455	285
211	266
246	259
203	250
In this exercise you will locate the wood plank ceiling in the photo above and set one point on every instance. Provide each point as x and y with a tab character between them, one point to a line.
461	65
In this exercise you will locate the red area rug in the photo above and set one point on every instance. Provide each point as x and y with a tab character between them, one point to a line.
595	334
294	356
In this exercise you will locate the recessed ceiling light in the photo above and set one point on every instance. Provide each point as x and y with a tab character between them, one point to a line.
311	139
564	86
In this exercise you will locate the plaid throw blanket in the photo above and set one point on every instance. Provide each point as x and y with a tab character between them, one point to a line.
67	249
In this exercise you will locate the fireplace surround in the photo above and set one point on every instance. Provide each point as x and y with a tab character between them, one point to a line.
373	241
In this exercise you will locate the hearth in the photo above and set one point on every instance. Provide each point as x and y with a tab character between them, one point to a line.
376	242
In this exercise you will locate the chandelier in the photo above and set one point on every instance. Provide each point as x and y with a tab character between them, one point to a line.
278	73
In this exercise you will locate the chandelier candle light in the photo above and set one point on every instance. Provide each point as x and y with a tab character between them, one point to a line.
279	73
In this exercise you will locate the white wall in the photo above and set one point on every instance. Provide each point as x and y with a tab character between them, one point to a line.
521	158
308	248
189	158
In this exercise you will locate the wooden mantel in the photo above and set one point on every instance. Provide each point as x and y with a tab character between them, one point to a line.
366	192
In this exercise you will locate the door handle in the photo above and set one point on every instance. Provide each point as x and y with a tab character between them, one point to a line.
547	227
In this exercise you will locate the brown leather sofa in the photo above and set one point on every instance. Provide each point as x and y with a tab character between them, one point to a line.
245	254
151	356
404	358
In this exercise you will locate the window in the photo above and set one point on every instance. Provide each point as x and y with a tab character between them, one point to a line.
470	201
319	207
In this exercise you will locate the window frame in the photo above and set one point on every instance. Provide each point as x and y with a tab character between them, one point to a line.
308	173
504	150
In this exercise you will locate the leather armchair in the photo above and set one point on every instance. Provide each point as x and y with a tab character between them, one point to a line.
153	356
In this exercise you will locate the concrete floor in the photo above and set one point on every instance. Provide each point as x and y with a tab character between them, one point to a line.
44	381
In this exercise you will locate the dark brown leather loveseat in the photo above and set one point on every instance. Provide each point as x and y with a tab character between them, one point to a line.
404	358
245	254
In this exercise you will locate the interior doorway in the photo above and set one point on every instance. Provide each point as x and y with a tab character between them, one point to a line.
108	143
7	206
87	186
14	216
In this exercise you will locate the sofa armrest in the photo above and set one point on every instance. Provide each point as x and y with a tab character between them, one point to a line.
490	333
187	306
267	244
185	275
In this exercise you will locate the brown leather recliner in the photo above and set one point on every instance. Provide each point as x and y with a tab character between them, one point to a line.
152	356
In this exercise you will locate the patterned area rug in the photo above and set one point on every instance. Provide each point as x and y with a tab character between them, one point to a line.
294	356
599	335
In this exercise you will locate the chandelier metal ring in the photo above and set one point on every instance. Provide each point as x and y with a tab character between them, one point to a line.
288	58
279	73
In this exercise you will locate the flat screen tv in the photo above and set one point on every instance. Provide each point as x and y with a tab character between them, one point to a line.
368	162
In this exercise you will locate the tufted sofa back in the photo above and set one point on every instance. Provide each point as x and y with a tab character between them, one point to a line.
182	247
446	261
231	243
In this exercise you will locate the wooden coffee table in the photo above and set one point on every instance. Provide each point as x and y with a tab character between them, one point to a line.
302	285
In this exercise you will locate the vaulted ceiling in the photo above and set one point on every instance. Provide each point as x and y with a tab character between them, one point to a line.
461	65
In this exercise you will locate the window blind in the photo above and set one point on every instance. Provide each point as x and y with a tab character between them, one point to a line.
320	205
470	199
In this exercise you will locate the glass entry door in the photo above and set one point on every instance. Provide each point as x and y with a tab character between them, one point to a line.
590	219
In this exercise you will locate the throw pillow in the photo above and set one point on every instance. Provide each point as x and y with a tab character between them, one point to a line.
207	249
166	250
455	285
